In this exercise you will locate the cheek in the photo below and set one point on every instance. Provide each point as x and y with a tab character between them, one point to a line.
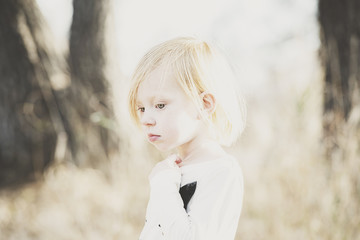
186	123
179	123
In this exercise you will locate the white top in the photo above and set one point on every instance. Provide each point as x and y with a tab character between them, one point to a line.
213	211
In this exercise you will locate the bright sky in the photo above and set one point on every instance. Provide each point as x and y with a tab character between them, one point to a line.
259	36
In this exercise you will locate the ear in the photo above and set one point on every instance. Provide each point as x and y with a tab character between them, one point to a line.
209	102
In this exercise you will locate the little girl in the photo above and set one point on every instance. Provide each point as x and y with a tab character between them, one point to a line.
183	97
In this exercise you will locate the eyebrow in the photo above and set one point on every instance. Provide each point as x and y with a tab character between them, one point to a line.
156	98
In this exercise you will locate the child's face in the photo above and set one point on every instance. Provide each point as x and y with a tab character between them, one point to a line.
168	117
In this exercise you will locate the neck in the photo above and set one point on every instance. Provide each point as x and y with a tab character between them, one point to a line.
199	149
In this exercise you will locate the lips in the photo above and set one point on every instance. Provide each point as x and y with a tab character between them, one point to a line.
153	137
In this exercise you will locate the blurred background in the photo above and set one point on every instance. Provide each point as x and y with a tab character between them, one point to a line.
73	166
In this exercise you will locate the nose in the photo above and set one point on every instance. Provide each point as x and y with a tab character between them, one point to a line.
147	119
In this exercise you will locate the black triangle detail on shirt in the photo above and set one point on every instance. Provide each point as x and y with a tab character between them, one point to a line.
186	192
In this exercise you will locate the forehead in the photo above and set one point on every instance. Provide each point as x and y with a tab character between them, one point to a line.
160	82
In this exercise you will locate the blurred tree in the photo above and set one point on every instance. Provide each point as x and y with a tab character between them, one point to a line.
87	108
44	117
27	122
340	55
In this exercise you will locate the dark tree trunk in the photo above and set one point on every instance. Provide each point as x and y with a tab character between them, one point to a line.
90	115
40	123
27	128
340	55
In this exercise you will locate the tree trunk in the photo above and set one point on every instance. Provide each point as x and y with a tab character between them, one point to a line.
39	122
89	116
340	55
27	128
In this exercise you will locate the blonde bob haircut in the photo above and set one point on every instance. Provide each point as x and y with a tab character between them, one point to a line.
198	67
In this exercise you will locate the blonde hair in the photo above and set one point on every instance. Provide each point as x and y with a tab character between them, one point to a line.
198	68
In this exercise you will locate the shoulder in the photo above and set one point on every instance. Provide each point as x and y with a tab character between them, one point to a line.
224	170
221	181
218	169
228	165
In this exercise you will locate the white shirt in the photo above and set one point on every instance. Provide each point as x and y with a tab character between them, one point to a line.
213	211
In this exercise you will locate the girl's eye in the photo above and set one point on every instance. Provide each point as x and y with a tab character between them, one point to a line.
160	105
141	109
